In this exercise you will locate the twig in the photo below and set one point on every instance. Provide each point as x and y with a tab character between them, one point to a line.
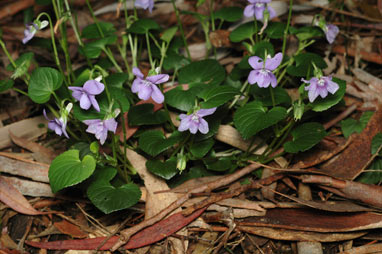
340	117
127	233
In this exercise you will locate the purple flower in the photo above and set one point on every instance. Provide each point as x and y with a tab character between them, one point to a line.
262	73
32	28
320	87
86	94
58	125
257	7
100	128
147	88
331	32
195	121
145	4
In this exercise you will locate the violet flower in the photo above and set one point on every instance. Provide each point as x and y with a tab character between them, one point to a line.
58	125
145	4
195	121
257	7
100	128
32	28
320	87
331	32
86	94
262	73
146	87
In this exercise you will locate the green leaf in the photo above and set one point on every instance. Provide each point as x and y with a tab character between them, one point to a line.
91	113
83	148
205	71
43	82
322	104
154	142
200	2
93	49
372	177
200	149
253	117
109	198
22	61
182	100
6	84
275	30
376	143
143	115
174	61
194	172
141	26
215	96
92	32
166	170
305	137
67	170
304	64
219	164
120	97
350	125
117	80
263	48
168	34
244	31
230	14
264	95
306	32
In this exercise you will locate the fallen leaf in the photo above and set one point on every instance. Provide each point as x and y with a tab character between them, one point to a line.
68	228
30	188
145	237
10	196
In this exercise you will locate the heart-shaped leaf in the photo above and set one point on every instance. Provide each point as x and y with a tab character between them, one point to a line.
205	71
200	149
244	31
93	49
275	30
304	64
182	100
350	125
6	84
67	169
215	96
168	34
253	117
109	198
166	170
230	14
141	26
154	142
92	32
322	104
143	114
280	95
305	137
43	82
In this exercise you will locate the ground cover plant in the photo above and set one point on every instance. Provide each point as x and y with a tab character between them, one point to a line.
141	90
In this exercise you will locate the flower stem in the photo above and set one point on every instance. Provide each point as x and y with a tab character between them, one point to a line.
107	50
54	44
287	27
238	96
149	50
7	53
181	29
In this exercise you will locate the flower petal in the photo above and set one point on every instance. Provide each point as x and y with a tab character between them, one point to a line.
259	12
93	87
94	102
332	87
203	126
111	124
85	102
158	79
255	62
272	79
136	85
272	63
185	123
331	33
206	112
193	126
249	10
137	72
145	92
156	94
